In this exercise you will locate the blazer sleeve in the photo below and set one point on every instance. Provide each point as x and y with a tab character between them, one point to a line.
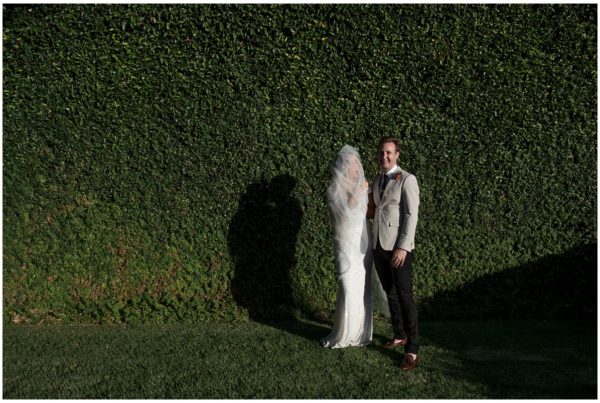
410	213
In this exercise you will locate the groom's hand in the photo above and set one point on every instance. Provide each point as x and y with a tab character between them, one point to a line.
398	258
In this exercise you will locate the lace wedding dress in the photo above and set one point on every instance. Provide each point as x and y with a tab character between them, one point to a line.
347	200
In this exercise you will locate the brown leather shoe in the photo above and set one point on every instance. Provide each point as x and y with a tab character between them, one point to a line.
396	342
408	363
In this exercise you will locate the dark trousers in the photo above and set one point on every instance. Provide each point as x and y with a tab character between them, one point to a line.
397	284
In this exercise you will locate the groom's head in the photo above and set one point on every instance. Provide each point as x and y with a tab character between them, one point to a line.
388	153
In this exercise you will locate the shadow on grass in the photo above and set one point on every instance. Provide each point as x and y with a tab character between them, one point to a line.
533	329
519	359
310	330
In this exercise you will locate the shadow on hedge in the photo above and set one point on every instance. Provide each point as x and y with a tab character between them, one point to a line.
262	240
562	286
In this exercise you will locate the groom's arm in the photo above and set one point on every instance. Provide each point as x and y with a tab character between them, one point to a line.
410	198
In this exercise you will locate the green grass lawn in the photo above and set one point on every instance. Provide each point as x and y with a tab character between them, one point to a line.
459	360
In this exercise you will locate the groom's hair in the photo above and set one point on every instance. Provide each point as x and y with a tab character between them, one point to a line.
389	139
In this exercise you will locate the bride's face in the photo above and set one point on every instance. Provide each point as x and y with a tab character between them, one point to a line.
354	169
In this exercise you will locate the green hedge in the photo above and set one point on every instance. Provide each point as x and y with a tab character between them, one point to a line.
168	163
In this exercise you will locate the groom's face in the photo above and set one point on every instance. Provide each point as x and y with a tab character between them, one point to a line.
388	155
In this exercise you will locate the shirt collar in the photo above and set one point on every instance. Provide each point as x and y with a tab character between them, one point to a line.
392	170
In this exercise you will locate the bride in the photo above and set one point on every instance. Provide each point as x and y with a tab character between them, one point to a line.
347	198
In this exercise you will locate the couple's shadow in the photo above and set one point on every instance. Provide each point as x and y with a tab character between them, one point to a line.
262	240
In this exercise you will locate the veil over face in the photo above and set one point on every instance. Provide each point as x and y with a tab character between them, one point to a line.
347	190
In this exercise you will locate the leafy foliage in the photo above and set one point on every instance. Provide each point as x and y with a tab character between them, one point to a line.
135	134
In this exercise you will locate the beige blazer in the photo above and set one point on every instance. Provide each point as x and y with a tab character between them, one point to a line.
396	212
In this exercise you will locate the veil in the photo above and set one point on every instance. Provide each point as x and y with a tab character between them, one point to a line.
347	191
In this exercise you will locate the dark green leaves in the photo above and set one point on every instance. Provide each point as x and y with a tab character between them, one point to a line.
143	126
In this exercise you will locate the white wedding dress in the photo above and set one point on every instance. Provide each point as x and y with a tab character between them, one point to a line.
347	200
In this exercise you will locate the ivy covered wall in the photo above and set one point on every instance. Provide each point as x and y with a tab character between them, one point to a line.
168	163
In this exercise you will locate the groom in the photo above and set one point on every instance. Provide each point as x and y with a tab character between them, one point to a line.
394	208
